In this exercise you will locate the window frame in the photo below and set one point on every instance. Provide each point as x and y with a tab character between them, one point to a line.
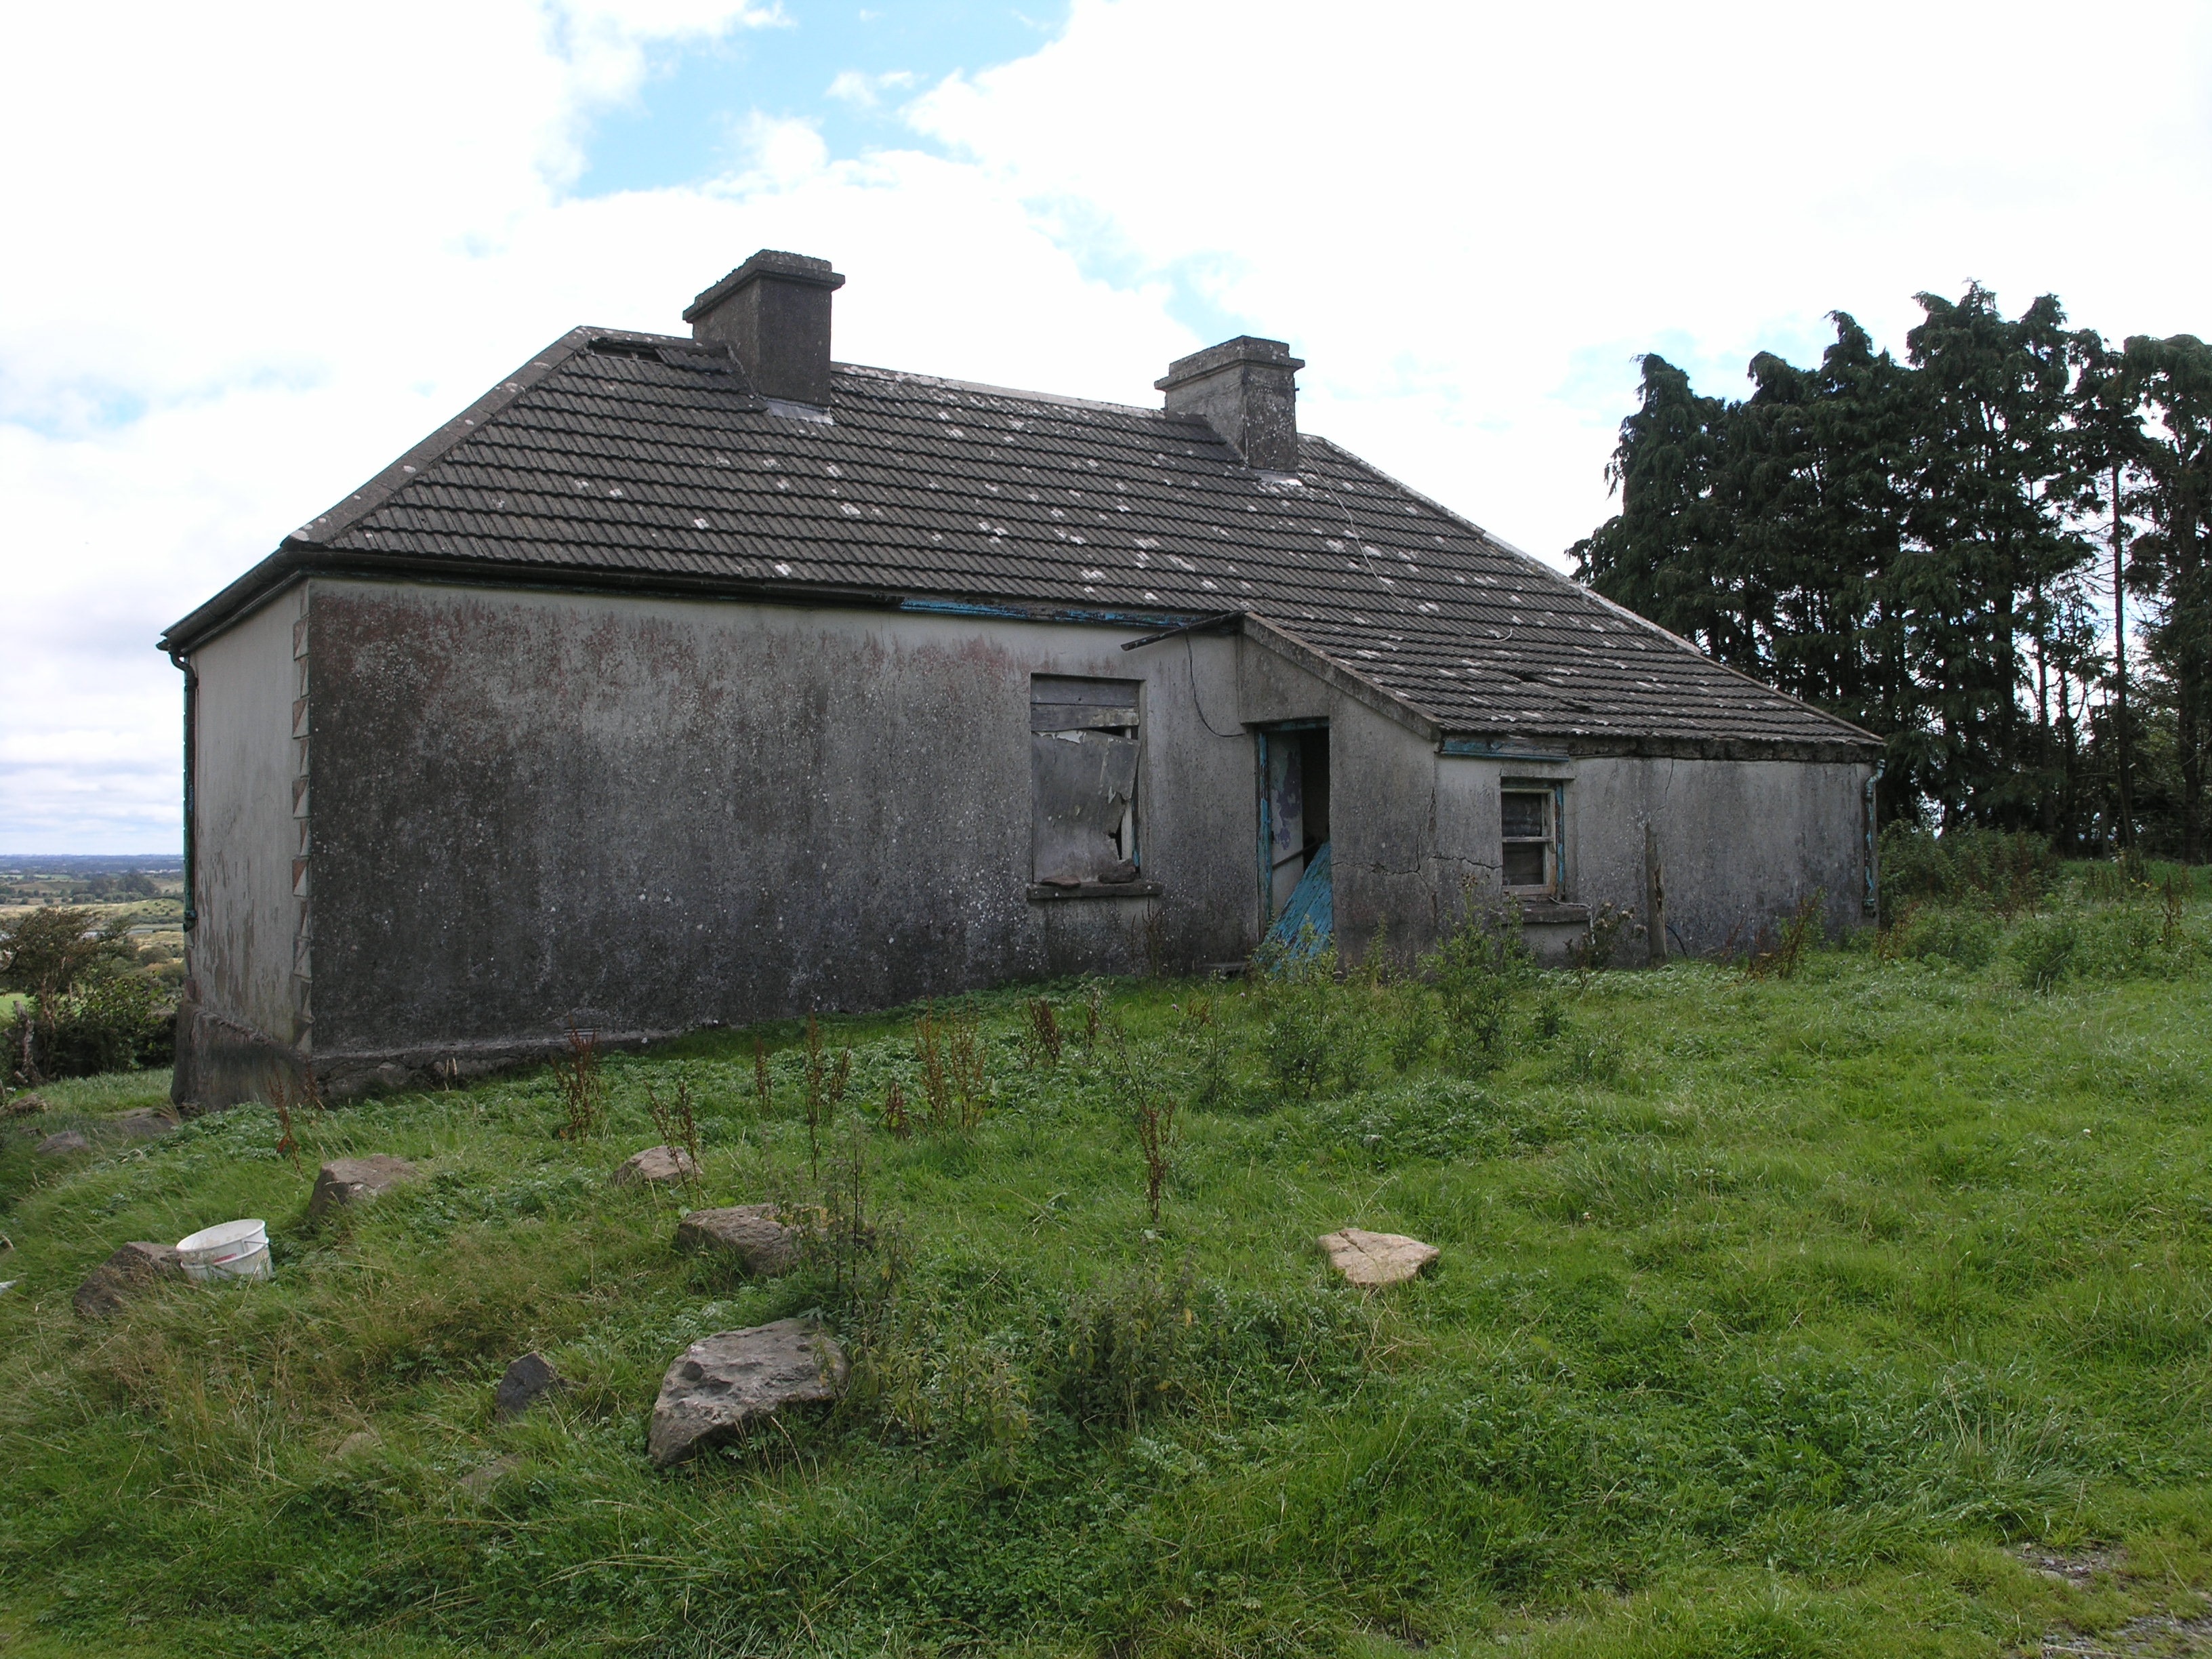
1090	705
1552	839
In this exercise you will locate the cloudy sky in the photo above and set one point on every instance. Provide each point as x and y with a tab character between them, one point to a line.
256	251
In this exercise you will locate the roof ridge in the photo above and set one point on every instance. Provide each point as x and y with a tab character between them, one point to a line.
1059	398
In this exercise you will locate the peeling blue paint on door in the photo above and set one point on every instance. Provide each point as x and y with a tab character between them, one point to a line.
1313	905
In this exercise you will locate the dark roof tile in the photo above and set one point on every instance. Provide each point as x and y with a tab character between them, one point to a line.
615	458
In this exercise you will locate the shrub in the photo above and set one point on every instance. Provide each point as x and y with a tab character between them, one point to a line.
1963	935
112	1022
1122	1351
2044	949
1477	967
1316	1032
2011	873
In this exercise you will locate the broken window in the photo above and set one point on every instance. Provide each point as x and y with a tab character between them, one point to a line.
1083	780
1529	855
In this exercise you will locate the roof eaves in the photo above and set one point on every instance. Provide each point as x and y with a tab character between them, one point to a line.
1275	637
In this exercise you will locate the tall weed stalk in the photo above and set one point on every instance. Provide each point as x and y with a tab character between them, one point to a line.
583	1086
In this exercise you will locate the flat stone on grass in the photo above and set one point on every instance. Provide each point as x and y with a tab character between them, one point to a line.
131	1272
67	1144
1369	1260
528	1381
657	1165
145	1124
356	1179
721	1385
751	1233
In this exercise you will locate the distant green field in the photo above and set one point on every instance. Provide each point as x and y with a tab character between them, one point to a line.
1861	1312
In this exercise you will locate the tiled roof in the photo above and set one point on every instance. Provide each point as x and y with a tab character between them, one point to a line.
638	454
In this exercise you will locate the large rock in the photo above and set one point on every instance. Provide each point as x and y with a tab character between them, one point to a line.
723	1384
146	1123
660	1165
751	1233
67	1144
1371	1259
528	1381
357	1180
131	1272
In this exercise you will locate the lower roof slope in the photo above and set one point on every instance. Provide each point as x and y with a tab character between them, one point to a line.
645	456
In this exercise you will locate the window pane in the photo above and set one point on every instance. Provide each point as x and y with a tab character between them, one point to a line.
1524	864
1525	812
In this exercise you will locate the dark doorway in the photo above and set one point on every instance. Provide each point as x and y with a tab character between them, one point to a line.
1294	811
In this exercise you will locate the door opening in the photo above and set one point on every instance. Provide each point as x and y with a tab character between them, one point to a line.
1296	892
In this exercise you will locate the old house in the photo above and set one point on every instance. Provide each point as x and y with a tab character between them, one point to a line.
694	679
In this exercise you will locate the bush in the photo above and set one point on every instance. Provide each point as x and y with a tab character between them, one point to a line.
1316	1032
1477	968
112	1023
2011	873
1964	935
2044	950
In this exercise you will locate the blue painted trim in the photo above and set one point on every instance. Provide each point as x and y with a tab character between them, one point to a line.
1481	749
1012	613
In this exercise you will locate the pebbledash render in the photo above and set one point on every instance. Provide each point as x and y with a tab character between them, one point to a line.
685	680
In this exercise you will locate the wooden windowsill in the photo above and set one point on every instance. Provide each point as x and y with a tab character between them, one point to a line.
1040	892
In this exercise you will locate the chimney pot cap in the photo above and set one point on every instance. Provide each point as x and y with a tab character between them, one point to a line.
768	264
1245	348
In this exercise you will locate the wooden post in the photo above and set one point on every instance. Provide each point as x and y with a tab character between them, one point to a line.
1655	898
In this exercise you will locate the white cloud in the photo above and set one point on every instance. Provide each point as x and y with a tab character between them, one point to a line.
274	245
1469	218
864	91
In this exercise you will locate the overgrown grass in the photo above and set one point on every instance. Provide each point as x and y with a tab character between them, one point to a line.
1773	1314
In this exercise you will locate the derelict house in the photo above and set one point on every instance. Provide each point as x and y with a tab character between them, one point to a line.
690	680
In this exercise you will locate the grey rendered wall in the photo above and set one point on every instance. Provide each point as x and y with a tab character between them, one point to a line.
1388	862
656	813
1743	842
240	1014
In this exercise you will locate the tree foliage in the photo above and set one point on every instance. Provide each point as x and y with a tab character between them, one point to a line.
1920	547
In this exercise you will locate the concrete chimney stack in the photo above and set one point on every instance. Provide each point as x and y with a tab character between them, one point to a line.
1246	389
773	313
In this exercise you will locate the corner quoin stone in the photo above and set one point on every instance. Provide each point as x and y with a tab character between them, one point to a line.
1369	1260
721	1385
356	1179
751	1233
133	1270
662	1165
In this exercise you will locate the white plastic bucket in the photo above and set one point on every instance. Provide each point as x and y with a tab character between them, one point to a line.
236	1249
